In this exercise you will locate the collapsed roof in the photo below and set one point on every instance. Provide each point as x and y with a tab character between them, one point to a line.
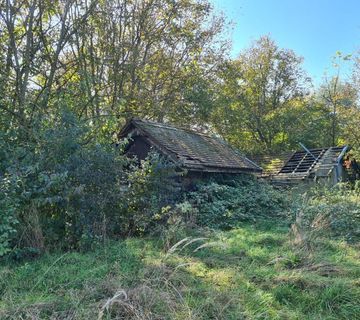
193	151
304	164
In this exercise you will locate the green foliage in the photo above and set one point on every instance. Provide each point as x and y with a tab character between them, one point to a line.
8	219
258	92
65	190
228	204
62	188
349	121
153	188
330	213
109	59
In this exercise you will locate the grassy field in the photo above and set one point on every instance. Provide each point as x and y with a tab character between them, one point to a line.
253	272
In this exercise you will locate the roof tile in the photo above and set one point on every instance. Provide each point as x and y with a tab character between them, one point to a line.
195	150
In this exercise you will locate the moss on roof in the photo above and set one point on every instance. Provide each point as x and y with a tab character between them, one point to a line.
193	150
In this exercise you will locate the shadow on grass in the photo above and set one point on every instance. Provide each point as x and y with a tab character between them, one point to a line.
248	273
59	284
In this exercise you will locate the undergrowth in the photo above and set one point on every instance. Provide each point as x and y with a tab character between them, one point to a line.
329	213
251	272
228	203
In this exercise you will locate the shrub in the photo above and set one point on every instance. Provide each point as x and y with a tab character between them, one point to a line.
59	188
8	220
152	192
224	205
330	212
66	190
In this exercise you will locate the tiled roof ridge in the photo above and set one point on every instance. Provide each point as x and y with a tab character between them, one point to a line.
174	127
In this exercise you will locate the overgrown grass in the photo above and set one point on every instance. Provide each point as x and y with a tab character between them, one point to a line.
252	272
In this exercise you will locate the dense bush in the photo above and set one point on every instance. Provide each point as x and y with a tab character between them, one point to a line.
59	188
64	189
153	189
330	212
225	204
8	219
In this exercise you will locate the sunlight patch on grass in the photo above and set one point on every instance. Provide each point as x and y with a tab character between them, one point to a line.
256	274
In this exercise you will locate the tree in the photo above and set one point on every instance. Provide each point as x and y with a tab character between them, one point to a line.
117	58
256	91
336	95
349	109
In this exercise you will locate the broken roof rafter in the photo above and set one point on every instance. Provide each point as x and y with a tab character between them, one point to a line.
302	163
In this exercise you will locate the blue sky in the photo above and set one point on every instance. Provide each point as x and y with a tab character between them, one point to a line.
314	29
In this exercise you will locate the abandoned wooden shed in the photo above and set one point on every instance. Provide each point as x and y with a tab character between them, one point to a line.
326	165
199	154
